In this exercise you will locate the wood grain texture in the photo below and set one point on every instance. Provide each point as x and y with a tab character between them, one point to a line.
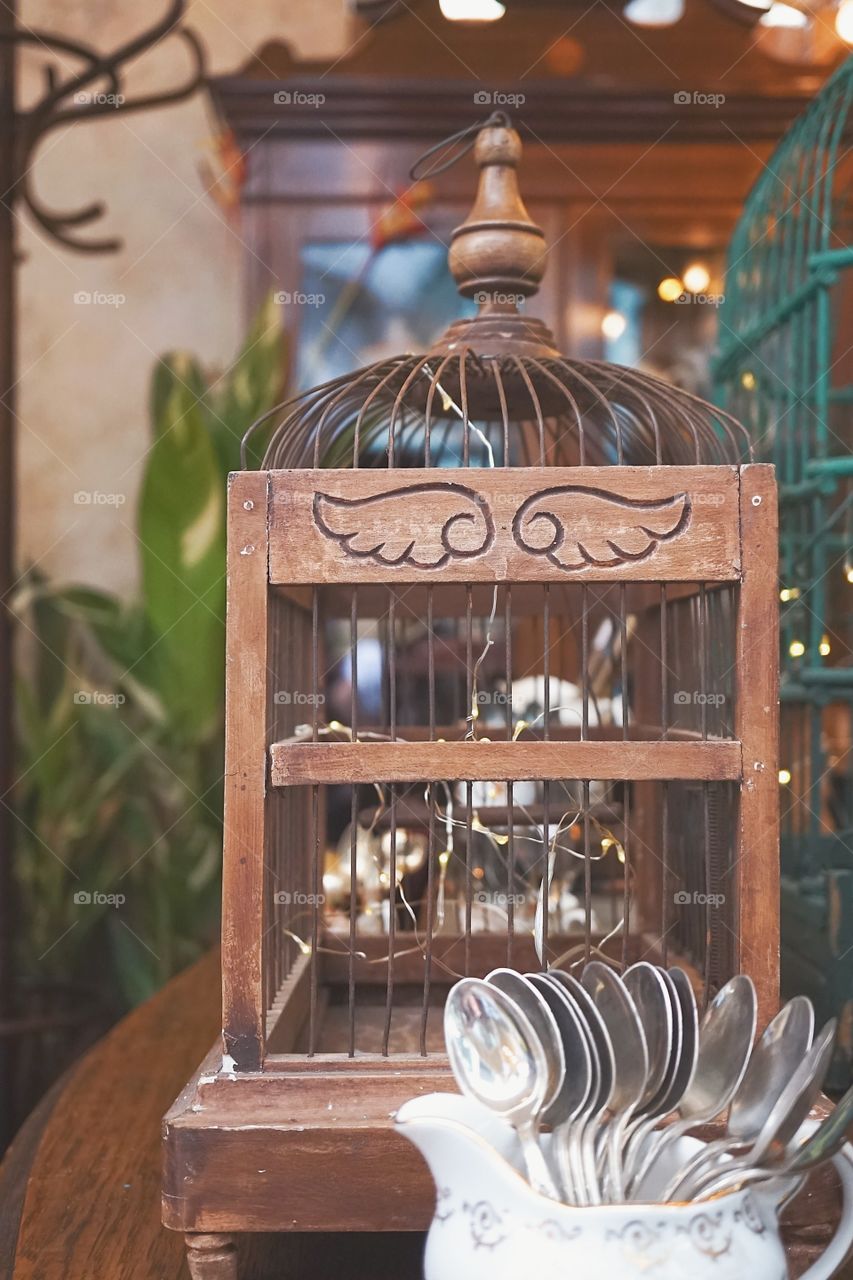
245	770
295	764
507	525
92	1199
91	1184
756	869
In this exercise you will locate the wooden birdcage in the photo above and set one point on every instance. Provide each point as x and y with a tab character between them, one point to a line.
502	689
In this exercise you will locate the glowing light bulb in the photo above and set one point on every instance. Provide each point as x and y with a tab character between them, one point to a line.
669	289
824	648
796	648
784	777
848	572
747	380
471	10
844	21
789	593
613	325
696	278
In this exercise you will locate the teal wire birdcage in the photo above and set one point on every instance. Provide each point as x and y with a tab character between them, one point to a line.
785	369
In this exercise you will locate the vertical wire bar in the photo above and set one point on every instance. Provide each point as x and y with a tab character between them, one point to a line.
392	887
353	854
587	859
469	786
546	786
315	823
706	797
664	722
623	656
510	789
431	793
430	919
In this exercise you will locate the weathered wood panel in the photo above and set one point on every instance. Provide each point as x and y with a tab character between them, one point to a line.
756	871
333	762
534	524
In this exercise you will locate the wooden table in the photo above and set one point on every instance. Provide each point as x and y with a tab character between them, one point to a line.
80	1186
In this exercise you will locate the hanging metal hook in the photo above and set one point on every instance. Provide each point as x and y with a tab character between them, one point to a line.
496	118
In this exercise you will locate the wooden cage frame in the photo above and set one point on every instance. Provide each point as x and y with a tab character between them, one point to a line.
257	1139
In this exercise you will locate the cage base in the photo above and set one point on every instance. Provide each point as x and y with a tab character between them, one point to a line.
310	1147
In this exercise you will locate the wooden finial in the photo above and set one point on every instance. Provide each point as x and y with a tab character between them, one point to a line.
498	254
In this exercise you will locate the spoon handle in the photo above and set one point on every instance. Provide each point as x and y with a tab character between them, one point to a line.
566	1150
696	1169
538	1173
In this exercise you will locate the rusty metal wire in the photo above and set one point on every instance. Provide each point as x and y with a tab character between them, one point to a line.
406	412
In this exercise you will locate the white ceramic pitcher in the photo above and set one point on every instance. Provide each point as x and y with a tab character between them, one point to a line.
490	1225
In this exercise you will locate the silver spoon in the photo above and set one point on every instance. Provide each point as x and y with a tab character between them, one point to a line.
497	1058
578	1084
826	1141
787	1114
620	1017
725	1041
536	1010
647	987
603	1059
774	1059
679	1071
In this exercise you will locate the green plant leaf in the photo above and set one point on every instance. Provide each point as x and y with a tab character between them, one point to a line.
181	531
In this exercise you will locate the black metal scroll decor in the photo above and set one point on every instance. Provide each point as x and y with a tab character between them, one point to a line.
94	92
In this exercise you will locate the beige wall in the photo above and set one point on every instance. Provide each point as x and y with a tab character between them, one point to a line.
84	367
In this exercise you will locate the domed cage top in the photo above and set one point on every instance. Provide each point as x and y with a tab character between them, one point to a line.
501	682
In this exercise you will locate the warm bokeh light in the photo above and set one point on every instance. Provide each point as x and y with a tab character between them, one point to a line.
789	593
796	648
844	21
783	15
824	648
696	278
653	13
784	776
848	572
747	380
670	288
613	325
471	10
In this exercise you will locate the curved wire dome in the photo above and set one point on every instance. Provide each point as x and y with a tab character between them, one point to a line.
495	390
467	409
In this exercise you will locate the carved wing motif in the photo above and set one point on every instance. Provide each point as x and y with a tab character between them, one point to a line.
575	526
423	525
